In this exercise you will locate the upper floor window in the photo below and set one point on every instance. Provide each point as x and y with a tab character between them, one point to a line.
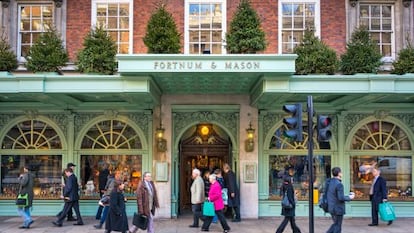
33	20
116	17
205	25
378	18
294	18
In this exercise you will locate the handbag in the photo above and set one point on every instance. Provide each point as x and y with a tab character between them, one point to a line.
140	220
386	211
208	209
104	200
285	202
22	200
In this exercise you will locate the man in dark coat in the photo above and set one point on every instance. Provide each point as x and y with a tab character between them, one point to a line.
336	200
377	195
289	213
103	178
71	197
233	192
70	212
26	182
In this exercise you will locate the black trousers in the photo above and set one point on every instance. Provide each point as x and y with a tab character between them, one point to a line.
336	227
286	220
374	211
235	212
222	219
197	213
68	207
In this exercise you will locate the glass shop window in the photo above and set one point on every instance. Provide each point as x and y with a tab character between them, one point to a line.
47	170
396	171
128	167
297	167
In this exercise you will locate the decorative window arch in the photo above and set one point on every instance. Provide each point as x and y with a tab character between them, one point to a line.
111	134
385	146
32	134
380	135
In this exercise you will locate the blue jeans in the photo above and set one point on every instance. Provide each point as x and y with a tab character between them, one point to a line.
25	213
104	214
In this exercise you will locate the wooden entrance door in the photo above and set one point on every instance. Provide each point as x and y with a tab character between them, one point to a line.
204	153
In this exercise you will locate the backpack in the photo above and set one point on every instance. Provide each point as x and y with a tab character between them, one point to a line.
323	202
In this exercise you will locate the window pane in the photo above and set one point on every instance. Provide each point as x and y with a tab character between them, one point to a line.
124	10
278	168
127	167
47	170
396	171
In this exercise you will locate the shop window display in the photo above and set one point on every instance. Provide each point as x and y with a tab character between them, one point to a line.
129	167
279	165
46	168
396	171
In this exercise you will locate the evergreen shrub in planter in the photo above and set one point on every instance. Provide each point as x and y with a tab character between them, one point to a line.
362	55
162	36
47	53
314	56
8	61
405	61
98	53
245	34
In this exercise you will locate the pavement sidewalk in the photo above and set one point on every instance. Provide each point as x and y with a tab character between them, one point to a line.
180	225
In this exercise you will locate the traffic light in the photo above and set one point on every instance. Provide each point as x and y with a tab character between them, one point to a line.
293	123
323	127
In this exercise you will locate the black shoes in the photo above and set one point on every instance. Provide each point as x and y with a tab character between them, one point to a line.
389	223
98	226
72	219
372	224
204	229
193	226
78	224
57	224
24	227
236	220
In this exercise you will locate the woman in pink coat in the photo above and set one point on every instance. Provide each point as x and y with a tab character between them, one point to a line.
214	195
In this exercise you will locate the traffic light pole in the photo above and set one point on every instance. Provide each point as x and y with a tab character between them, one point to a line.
310	162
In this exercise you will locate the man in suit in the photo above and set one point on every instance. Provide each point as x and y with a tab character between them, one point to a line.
233	192
71	197
377	195
336	200
197	196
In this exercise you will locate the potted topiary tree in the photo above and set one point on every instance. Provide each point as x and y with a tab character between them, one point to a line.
362	55
405	62
47	53
245	34
162	35
98	53
314	56
8	61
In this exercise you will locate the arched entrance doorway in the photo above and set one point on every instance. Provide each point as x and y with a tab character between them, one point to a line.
204	146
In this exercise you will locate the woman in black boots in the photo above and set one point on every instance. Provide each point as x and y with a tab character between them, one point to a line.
289	213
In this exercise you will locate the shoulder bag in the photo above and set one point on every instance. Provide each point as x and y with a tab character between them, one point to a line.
285	202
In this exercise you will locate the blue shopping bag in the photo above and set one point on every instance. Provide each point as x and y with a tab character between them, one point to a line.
208	209
386	211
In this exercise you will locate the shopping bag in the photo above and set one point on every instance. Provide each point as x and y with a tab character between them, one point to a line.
22	200
104	201
225	196
140	220
208	209
386	211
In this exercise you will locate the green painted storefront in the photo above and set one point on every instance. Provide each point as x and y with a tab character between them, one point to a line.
51	120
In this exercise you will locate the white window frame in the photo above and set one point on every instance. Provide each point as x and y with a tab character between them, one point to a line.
187	18
280	22
131	18
19	21
393	32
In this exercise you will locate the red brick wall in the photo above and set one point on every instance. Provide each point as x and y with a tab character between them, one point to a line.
333	26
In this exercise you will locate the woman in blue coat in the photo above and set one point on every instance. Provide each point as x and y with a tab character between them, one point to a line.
289	213
117	219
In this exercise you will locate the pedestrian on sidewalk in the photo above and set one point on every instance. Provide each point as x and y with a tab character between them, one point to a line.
233	192
117	219
214	195
336	200
26	182
147	201
377	194
102	178
71	198
289	213
197	196
110	184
